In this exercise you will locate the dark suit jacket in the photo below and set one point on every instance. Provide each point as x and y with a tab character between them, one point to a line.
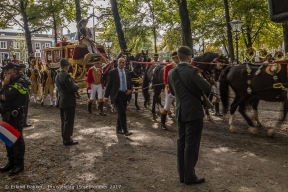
66	89
113	84
188	107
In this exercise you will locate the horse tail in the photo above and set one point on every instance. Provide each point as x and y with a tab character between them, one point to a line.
145	86
224	90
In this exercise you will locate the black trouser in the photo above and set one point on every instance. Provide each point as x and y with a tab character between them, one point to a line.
16	152
121	104
26	108
67	123
188	148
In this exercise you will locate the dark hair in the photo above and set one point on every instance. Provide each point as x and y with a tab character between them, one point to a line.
181	56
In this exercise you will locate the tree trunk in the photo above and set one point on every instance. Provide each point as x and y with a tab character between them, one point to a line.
26	27
118	25
154	28
248	42
285	33
185	24
228	30
78	14
54	23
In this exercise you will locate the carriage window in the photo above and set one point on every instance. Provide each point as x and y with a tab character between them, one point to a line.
48	56
56	56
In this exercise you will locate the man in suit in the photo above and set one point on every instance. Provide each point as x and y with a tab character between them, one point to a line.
66	102
119	88
187	85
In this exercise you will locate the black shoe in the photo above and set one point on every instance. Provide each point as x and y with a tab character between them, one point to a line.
7	167
102	113
16	169
163	126
71	142
127	133
137	108
119	132
196	181
27	125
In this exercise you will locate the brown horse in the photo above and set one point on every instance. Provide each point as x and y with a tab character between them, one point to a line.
252	83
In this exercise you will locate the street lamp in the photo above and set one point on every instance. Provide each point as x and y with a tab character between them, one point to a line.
236	25
108	44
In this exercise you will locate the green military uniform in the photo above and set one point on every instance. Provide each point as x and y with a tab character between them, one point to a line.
66	103
189	115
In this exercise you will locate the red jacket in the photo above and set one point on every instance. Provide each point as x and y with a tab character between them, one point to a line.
90	78
165	73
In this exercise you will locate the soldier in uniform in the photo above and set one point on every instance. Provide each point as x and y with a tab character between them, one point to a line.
6	60
86	36
169	98
31	59
34	76
66	102
95	82
14	60
12	99
47	81
23	73
187	85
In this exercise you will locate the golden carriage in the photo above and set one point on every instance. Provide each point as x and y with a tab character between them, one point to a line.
77	55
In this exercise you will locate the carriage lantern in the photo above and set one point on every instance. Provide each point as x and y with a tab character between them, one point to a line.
236	25
108	44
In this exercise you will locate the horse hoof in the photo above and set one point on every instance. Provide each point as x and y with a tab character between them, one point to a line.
209	118
271	132
253	130
233	130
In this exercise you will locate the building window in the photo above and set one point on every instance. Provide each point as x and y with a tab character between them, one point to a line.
26	57
37	45
2	56
37	54
17	55
47	45
16	45
3	44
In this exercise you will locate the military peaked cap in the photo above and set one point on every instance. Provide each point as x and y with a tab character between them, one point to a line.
185	50
174	54
64	62
22	65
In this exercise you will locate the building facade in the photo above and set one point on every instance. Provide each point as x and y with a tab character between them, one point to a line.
12	41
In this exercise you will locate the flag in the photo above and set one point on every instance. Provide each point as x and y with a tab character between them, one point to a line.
8	133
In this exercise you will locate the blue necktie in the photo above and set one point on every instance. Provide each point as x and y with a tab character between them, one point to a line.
123	81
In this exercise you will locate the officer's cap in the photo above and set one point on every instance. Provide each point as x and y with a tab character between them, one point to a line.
64	62
21	65
174	54
185	50
11	65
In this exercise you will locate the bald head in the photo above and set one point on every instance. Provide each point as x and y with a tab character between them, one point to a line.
121	63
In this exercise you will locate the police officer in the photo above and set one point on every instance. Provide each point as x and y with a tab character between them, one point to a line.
23	73
12	99
169	98
187	84
66	102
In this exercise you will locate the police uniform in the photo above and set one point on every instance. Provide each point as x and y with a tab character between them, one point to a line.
48	81
12	99
95	82
34	76
86	37
169	98
28	83
66	103
189	114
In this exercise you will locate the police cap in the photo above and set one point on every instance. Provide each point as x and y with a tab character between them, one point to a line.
21	65
185	50
64	62
11	65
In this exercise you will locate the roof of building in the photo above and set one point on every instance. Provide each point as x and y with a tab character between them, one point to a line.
13	32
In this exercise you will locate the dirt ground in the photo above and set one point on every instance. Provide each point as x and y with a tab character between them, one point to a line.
146	161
